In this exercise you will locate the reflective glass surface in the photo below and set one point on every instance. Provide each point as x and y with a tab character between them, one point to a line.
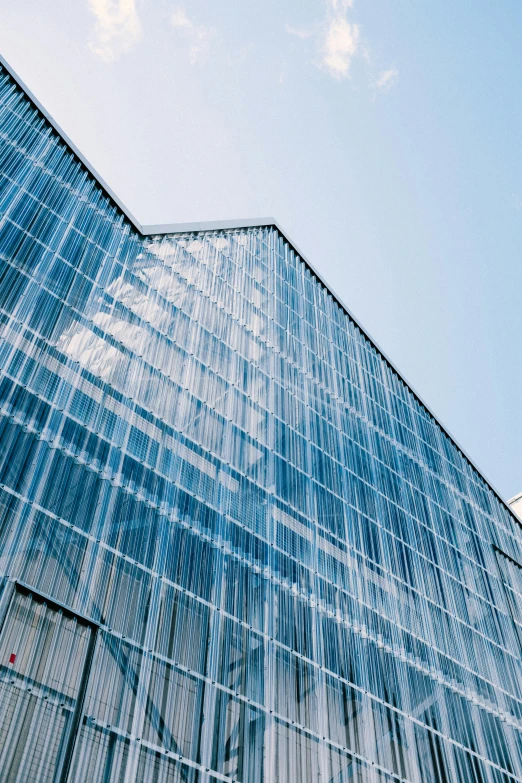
286	570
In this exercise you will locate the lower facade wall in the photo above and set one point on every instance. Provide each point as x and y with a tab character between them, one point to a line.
193	662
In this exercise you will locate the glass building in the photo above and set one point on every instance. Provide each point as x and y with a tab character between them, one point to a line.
234	544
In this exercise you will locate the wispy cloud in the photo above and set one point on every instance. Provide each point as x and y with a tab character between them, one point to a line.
198	36
387	79
118	27
336	37
340	44
298	32
340	5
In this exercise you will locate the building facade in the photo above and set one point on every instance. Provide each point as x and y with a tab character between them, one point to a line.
234	545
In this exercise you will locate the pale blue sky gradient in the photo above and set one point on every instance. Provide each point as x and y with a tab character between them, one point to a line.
385	136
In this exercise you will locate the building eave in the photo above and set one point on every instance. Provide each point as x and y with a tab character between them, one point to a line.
223	225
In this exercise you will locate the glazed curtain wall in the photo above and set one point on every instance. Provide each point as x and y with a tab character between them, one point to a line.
282	568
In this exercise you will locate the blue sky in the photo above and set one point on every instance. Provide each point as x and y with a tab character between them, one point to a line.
385	136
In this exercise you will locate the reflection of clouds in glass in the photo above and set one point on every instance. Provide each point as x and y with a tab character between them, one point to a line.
220	243
172	270
195	247
141	304
130	335
91	351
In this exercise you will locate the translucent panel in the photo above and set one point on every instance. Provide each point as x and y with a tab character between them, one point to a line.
43	655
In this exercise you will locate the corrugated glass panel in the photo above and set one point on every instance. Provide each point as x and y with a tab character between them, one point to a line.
294	570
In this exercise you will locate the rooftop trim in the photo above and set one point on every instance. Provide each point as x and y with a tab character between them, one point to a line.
223	225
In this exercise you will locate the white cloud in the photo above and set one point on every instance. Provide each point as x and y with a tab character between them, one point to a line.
337	38
340	44
341	5
118	27
386	79
179	18
299	33
198	36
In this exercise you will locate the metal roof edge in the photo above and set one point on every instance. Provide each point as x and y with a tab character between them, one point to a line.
208	225
222	225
